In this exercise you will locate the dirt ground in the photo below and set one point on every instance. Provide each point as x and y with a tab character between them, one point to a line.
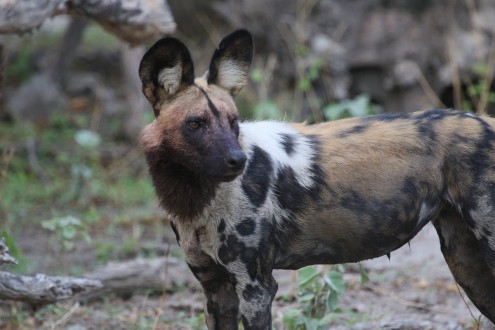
412	290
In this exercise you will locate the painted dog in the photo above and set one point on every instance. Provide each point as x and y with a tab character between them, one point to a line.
245	198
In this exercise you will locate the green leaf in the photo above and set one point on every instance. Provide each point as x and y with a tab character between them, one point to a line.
481	69
332	301
304	84
87	138
69	232
311	324
358	107
364	275
49	224
335	111
291	318
335	280
476	89
266	110
313	73
306	275
257	75
307	297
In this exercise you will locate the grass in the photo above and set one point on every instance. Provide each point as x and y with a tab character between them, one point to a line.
90	184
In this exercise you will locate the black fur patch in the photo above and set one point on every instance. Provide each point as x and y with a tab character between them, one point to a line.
176	232
290	194
256	180
251	292
233	248
398	215
358	129
287	142
211	105
317	173
386	117
221	226
246	227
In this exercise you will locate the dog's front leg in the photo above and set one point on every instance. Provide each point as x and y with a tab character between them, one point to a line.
249	255
222	304
256	302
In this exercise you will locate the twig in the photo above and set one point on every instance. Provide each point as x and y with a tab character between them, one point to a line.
476	320
469	83
65	317
456	82
310	94
485	93
423	82
33	160
5	257
164	294
7	156
124	161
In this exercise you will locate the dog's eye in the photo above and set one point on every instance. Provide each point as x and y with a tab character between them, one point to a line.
194	124
234	122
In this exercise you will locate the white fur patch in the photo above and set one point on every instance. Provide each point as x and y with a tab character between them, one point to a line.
170	79
268	136
231	75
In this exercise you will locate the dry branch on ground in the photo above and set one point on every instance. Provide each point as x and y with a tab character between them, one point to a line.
5	257
114	278
42	289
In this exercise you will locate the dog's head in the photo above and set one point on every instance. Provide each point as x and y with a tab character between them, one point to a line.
196	121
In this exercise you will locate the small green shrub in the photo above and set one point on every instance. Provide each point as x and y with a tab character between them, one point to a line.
360	106
319	295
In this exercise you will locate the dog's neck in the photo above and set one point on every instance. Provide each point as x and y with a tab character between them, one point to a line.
181	192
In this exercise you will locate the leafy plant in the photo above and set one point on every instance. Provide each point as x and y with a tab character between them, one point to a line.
360	106
67	229
319	295
14	251
266	110
310	75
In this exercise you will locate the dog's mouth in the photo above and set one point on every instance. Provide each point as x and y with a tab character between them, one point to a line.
227	177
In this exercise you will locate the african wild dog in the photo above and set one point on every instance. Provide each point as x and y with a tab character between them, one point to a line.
245	198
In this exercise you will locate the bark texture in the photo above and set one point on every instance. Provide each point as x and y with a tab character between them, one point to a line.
135	21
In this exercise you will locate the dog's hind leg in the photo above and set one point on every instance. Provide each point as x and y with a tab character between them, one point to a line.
468	260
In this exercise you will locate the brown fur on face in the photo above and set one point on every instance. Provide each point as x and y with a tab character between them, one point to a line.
205	150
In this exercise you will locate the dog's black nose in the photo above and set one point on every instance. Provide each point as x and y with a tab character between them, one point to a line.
237	160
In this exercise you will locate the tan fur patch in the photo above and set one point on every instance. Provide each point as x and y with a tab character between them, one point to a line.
151	136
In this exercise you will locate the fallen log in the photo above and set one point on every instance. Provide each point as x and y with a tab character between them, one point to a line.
157	274
42	289
120	278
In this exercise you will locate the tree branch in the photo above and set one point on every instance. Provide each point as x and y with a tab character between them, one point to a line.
5	257
42	289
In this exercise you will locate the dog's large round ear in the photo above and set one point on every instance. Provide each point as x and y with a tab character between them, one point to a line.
231	62
165	69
